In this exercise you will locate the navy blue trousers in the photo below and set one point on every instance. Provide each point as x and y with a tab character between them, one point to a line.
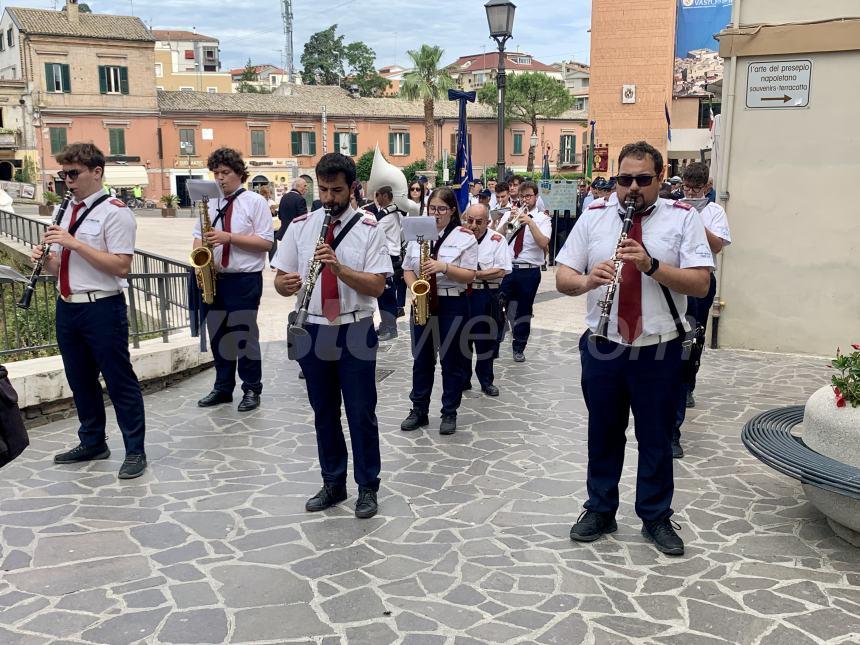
698	312
388	306
442	336
342	363
482	333
615	380
93	339
519	289
233	332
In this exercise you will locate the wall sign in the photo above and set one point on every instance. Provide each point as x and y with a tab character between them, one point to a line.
779	84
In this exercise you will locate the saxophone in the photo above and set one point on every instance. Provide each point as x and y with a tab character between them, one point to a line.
605	305
420	289
201	257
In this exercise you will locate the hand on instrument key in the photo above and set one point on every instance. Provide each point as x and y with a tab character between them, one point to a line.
431	267
59	235
327	256
601	274
631	251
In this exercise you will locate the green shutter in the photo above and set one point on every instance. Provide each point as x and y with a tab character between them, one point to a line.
102	79
391	143
123	80
296	143
312	143
353	145
49	77
561	149
67	78
337	136
58	140
406	144
117	141
573	148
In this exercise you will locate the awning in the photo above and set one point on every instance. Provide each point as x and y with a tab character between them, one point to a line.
688	143
122	176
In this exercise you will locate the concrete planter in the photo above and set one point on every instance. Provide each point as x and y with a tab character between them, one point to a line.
835	433
46	210
168	212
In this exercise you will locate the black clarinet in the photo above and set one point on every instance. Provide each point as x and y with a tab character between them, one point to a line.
605	305
297	325
27	296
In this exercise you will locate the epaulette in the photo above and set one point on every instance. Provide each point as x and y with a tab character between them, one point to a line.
117	202
496	237
300	218
370	220
684	205
467	230
597	204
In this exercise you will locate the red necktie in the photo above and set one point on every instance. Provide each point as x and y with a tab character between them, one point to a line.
630	296
330	296
434	291
65	256
225	226
518	241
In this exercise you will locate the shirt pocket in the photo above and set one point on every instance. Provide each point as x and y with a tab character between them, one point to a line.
670	243
449	254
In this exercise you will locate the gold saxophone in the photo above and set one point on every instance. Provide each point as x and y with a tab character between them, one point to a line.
201	257
420	289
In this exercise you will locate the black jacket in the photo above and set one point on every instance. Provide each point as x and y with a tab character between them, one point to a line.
13	436
292	205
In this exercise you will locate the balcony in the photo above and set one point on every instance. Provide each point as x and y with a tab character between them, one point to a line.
9	139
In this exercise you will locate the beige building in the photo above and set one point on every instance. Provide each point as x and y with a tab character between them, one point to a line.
473	71
190	62
790	279
577	80
268	78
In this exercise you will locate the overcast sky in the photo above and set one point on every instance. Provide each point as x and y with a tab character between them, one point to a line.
550	30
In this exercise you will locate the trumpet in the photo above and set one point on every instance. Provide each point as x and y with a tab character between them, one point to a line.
27	296
605	304
513	224
297	325
420	289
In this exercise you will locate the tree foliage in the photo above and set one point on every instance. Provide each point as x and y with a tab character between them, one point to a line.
327	61
528	97
363	165
248	80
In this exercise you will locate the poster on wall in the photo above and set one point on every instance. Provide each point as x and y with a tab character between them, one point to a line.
697	60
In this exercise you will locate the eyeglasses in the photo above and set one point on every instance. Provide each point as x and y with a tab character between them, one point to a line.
527	195
693	189
70	174
440	210
472	220
641	180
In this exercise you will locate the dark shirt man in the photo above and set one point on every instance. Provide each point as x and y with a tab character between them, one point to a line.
292	205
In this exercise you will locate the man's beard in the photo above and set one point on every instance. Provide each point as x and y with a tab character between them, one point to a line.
337	209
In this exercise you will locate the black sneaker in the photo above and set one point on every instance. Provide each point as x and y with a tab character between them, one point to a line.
386	334
677	450
662	534
132	467
490	390
414	421
691	400
82	453
519	357
590	525
328	496
366	505
449	424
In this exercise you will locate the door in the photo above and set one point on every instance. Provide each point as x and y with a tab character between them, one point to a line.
182	190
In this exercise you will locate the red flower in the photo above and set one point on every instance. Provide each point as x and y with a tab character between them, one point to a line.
840	400
856	346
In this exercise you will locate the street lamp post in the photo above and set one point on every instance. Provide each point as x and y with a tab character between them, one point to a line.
500	17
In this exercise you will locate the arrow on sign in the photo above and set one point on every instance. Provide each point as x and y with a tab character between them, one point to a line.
784	98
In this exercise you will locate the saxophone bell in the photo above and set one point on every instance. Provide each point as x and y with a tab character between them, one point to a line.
201	258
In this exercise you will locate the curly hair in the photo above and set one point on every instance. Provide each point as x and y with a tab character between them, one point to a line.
230	158
450	198
85	154
638	150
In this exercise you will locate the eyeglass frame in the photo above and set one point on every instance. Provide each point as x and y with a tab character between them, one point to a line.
439	210
626	181
72	174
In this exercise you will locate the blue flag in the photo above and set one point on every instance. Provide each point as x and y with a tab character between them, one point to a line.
463	165
668	120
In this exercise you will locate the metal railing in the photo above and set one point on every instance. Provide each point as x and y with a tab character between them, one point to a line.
157	297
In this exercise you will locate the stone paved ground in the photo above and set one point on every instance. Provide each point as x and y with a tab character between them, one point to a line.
471	546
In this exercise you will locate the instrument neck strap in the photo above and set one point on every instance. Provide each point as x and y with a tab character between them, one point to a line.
343	231
671	303
438	244
219	215
80	220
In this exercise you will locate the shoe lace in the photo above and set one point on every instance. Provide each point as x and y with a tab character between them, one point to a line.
133	459
664	527
365	495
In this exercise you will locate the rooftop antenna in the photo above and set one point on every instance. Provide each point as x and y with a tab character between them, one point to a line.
287	15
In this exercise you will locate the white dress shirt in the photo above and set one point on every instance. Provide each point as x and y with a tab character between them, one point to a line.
250	216
111	227
673	233
460	248
393	230
532	253
494	253
715	220
362	249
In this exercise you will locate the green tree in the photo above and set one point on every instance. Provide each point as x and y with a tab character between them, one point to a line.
428	83
248	80
361	70
363	165
529	96
322	58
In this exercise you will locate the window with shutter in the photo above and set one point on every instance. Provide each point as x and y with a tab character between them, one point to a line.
312	137
518	143
258	143
116	137
57	78
392	139
58	140
103	84
406	144
186	141
113	79
295	140
123	80
353	145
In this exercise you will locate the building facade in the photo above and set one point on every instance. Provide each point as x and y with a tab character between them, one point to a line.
577	78
473	71
188	61
267	78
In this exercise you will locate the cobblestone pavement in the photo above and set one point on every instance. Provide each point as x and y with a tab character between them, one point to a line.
212	545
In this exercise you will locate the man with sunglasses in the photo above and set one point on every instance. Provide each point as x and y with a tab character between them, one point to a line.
696	184
637	367
91	255
528	248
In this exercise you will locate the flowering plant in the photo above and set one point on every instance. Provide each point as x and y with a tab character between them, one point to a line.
846	384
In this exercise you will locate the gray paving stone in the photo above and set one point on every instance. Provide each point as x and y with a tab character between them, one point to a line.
354	606
16	560
268	623
256	586
127	628
162	535
570	629
94	601
193	594
62	549
60	623
9	637
196	626
733	626
145	599
377	633
59	581
408	622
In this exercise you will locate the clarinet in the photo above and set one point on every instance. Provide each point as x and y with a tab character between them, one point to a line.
297	325
605	305
27	296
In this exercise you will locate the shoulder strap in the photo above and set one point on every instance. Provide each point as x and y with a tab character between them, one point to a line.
441	241
74	227
227	201
345	230
671	303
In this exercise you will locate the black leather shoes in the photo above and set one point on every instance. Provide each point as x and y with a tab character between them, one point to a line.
414	421
449	424
691	400
366	505
662	534
250	401
82	453
215	397
328	496
132	467
591	525
677	450
467	386
519	357
490	390
387	334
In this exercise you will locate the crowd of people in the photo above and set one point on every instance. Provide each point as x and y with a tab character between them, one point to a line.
482	272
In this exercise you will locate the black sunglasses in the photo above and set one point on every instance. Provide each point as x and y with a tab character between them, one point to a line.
71	174
641	180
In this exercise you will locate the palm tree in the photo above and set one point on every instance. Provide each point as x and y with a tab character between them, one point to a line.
427	82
